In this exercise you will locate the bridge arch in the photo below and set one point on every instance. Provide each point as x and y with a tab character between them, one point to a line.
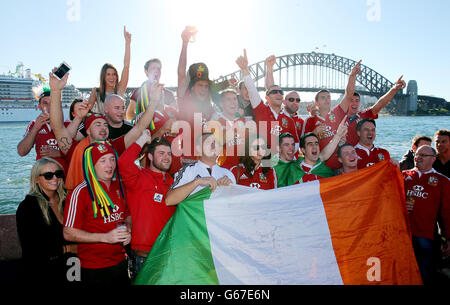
373	82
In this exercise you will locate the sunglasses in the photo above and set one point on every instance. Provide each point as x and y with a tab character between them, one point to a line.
291	99
275	91
49	175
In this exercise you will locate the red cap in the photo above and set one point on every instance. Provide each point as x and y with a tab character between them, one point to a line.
99	150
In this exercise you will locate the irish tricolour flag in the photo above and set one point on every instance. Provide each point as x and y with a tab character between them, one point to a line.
350	229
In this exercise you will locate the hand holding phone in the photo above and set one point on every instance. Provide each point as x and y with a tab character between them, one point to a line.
62	70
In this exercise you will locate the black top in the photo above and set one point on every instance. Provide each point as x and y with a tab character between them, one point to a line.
407	161
444	169
115	133
42	244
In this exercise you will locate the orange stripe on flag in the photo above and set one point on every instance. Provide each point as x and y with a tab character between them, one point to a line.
369	227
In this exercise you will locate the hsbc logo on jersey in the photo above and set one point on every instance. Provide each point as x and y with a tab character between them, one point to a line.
255	185
114	216
417	191
276	130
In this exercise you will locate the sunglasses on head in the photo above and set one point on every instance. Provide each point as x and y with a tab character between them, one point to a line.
291	99
49	175
275	91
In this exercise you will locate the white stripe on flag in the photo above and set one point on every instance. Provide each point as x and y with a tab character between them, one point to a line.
271	237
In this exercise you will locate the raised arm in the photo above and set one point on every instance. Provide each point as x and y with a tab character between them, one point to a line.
56	113
81	110
122	87
182	63
253	94
385	99
350	89
329	149
146	119
270	61
128	169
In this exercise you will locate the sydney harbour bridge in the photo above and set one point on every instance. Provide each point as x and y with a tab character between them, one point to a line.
310	72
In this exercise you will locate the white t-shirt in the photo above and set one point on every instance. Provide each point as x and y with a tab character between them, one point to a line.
190	172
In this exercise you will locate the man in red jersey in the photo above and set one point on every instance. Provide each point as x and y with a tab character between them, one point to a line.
146	192
276	121
368	153
40	135
427	201
326	122
291	105
101	237
233	129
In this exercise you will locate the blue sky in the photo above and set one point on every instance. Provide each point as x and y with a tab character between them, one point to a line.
395	37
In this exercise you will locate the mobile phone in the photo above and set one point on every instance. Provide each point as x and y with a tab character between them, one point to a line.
62	70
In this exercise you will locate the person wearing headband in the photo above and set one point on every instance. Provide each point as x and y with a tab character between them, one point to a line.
96	217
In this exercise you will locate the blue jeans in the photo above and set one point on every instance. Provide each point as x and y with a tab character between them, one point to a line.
423	249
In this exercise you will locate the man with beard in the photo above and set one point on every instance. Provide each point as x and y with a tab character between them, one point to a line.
146	192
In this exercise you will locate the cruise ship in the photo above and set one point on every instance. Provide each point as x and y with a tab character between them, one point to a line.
17	101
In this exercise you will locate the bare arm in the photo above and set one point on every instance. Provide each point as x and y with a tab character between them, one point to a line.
80	236
350	89
131	110
329	149
182	63
92	98
146	119
122	87
270	61
26	144
81	110
56	113
385	99
177	195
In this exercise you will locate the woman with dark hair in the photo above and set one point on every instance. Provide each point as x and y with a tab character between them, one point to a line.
109	80
39	220
255	168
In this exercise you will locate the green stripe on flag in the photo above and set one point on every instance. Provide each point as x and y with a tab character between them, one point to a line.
182	253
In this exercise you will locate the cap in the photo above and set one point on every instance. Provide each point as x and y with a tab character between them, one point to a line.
196	72
91	118
99	150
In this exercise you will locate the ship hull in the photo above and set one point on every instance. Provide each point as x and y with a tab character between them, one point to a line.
25	114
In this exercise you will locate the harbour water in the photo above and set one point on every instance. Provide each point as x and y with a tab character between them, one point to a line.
393	133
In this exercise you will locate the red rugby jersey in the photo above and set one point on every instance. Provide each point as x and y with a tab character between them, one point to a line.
188	108
79	214
146	191
45	138
265	113
370	157
259	180
427	196
233	147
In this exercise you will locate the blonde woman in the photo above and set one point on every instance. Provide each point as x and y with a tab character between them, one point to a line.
39	220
